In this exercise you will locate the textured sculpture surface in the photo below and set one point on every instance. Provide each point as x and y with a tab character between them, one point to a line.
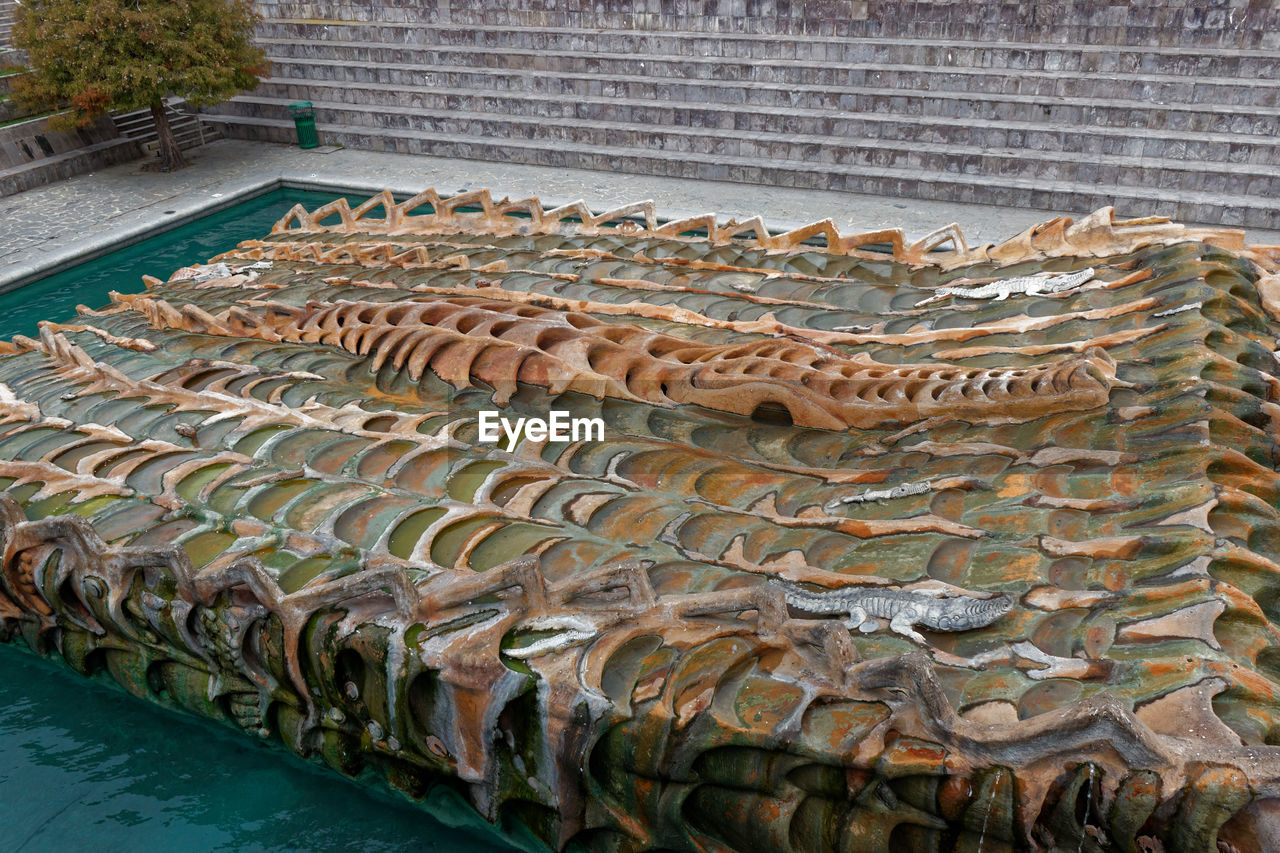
886	546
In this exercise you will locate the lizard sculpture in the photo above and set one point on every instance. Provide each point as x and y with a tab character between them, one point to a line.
903	608
1028	285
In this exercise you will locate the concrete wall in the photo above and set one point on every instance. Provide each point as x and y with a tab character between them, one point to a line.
32	155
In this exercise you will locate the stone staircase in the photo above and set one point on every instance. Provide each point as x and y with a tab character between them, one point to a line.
188	129
8	54
7	8
1187	131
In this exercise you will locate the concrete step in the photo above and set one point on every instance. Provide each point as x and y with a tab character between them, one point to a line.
138	122
139	126
142	128
1251	25
1055	126
1080	194
187	138
1058	54
819	150
299	57
7	8
964	107
1193	115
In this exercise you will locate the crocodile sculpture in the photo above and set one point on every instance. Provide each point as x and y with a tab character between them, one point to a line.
1025	285
257	492
903	608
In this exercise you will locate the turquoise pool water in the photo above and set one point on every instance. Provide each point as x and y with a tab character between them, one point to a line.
84	766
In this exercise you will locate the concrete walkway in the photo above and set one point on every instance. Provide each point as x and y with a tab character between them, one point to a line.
53	227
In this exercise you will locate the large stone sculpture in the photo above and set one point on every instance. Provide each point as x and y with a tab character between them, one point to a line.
885	546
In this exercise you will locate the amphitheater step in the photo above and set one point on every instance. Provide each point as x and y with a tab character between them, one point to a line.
825	107
7	10
1182	22
1078	195
302	58
1189	126
1062	56
1106	169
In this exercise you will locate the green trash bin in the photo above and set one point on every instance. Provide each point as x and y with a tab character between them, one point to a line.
304	119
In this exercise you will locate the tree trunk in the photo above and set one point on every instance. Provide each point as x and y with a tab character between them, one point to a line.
171	158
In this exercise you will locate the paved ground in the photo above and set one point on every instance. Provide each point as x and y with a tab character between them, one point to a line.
54	226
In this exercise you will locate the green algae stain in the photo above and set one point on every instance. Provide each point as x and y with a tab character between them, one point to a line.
204	547
303	572
252	443
193	484
51	505
507	543
407	533
463	484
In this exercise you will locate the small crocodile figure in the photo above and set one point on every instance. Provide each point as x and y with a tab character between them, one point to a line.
1028	285
903	608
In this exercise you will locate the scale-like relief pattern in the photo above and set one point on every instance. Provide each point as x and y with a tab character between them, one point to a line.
884	546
